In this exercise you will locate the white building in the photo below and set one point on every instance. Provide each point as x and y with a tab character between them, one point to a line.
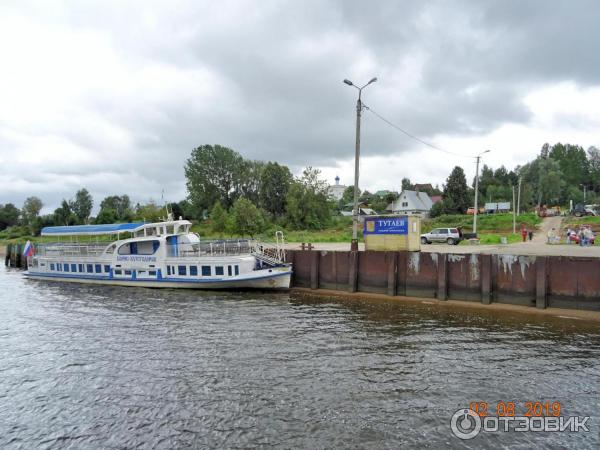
336	192
413	202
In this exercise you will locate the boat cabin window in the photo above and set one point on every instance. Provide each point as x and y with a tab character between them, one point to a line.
90	268
73	267
219	270
118	272
237	270
110	250
170	229
182	270
194	271
229	270
206	272
139	248
152	272
98	268
107	268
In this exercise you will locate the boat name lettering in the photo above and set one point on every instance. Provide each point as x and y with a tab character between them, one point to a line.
137	258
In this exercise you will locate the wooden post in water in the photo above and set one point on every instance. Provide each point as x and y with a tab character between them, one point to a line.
7	255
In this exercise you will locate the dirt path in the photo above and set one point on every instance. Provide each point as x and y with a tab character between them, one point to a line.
540	236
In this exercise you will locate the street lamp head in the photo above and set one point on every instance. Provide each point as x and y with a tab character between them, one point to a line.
373	80
487	151
348	82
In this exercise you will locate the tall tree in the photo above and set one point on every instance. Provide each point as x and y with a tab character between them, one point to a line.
250	180
307	201
457	198
573	163
9	215
406	184
246	218
82	205
213	173
274	185
117	207
218	215
31	209
63	215
593	154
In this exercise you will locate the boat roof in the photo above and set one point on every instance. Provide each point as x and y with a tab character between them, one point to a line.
92	230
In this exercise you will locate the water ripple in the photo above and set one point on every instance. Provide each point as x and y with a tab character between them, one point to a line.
108	367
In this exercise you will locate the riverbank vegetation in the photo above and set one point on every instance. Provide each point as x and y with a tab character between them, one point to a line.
231	196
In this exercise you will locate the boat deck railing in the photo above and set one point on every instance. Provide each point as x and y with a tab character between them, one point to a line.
69	250
270	253
267	252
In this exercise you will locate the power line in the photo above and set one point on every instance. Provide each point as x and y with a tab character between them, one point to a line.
412	136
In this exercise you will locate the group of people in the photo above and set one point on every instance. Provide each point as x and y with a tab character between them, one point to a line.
583	236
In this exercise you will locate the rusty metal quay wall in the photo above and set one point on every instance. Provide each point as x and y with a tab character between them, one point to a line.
535	281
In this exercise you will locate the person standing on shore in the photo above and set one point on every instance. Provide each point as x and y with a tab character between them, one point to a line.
530	233
524	233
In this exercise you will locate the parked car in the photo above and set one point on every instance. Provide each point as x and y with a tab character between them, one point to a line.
580	210
451	236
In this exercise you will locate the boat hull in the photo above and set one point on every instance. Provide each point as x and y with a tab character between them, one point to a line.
276	279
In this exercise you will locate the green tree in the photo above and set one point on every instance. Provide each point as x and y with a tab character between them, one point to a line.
274	185
117	206
31	209
9	216
107	215
348	195
593	156
214	173
457	197
149	212
250	180
246	218
63	215
544	177
573	163
218	216
307	201
82	205
407	185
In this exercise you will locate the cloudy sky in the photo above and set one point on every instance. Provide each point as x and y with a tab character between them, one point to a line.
113	95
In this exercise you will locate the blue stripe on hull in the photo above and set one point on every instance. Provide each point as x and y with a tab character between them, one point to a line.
154	280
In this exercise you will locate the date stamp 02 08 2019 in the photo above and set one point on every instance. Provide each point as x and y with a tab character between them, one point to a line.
537	416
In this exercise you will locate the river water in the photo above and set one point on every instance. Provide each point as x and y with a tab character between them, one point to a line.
109	367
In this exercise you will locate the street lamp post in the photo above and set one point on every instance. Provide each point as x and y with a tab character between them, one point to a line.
477	191
584	192
355	212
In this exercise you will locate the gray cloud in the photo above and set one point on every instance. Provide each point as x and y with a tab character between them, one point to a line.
265	79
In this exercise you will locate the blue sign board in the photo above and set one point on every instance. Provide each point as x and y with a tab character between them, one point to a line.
386	225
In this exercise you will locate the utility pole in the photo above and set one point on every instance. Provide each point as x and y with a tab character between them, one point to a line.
478	157
355	211
519	198
514	212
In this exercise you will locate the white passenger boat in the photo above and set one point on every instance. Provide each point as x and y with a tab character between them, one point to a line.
162	254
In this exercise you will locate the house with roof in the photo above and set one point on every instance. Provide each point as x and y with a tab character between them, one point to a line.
363	210
411	202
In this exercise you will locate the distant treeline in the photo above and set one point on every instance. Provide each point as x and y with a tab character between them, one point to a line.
242	196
